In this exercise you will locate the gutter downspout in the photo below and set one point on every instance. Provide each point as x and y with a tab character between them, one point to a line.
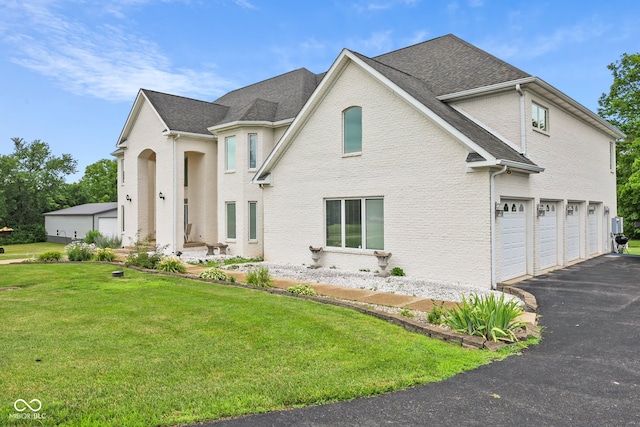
523	129
175	193
494	250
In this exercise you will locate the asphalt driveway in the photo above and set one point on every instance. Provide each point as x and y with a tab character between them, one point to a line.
586	371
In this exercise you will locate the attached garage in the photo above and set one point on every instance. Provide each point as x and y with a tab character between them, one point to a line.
73	223
548	235
573	231
514	239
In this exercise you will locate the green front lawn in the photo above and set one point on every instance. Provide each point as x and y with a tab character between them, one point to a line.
147	349
28	250
634	247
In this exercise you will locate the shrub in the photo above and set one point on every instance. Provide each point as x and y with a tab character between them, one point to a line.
213	273
397	271
28	233
488	317
406	313
171	265
240	260
92	236
436	315
112	242
302	289
143	260
50	256
104	254
259	277
79	251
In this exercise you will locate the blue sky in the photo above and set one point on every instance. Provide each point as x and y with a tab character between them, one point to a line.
70	69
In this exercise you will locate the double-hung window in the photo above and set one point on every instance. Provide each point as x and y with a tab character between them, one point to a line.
230	153
253	221
352	130
539	117
253	151
231	220
355	223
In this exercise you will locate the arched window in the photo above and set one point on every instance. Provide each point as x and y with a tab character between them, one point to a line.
352	135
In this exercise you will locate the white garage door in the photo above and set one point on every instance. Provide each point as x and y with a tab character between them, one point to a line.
549	236
573	232
514	239
108	226
593	230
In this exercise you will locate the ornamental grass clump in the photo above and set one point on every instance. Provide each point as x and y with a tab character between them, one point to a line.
259	277
213	273
302	289
171	265
104	254
50	256
486	316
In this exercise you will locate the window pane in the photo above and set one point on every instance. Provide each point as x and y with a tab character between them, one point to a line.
353	223
186	171
253	150
253	221
231	220
334	223
231	153
353	130
542	118
534	115
374	209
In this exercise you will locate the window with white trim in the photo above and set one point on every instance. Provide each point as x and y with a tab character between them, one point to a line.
230	153
612	156
539	117
253	221
352	130
355	223
231	220
253	150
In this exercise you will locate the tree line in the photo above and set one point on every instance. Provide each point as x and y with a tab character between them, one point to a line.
33	182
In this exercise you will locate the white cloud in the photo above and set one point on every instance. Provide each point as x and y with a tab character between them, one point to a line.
106	62
379	5
377	43
530	47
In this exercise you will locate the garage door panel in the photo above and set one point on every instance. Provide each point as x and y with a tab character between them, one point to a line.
573	232
549	236
514	236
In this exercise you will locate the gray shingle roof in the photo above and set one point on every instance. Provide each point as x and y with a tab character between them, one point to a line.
186	114
421	92
287	93
449	65
86	209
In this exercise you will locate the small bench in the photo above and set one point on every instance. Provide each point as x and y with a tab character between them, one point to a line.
221	247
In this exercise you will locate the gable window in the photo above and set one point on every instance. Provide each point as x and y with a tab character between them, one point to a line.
253	220
122	170
539	117
352	132
355	223
230	149
253	150
612	156
231	220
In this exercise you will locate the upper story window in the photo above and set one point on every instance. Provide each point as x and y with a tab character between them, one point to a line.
352	133
122	171
230	149
612	156
253	150
539	117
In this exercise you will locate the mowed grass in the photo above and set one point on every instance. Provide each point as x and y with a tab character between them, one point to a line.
634	247
28	250
147	349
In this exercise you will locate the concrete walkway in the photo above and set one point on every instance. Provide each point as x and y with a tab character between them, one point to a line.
585	372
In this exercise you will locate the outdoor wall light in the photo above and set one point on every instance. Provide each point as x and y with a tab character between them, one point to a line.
541	211
161	195
499	210
607	210
128	198
569	209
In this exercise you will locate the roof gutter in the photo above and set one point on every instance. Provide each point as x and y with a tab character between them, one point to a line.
494	249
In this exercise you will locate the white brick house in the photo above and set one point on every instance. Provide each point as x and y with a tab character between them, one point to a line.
463	167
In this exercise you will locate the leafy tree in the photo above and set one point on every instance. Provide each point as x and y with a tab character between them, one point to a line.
32	182
621	106
100	181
